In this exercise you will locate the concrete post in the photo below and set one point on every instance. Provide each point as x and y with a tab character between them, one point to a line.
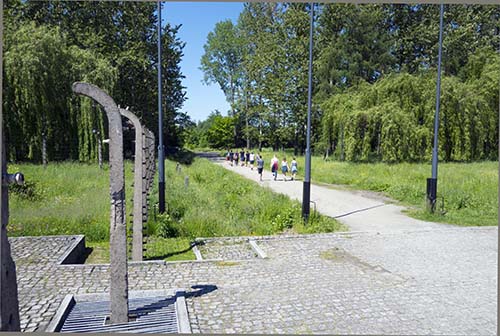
152	164
148	169
9	304
138	186
145	175
118	229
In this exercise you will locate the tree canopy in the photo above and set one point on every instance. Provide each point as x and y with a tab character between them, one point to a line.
374	70
51	44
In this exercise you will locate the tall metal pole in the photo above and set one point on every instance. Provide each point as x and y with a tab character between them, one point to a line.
306	194
161	152
498	253
432	182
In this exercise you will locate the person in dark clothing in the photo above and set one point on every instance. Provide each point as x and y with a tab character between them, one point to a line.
260	165
242	157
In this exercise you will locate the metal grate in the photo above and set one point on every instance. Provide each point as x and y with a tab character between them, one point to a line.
152	315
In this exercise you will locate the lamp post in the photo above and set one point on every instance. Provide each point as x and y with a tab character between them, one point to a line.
432	182
161	152
306	194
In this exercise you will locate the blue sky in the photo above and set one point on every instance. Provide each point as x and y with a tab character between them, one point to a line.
198	19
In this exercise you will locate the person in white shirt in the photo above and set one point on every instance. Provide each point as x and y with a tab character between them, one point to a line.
252	160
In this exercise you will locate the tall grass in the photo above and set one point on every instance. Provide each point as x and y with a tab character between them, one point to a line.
64	198
73	198
218	202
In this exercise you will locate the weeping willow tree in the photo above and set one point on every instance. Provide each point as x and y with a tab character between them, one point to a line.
392	120
39	69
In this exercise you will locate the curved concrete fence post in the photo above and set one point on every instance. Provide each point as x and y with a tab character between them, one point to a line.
9	304
138	186
118	229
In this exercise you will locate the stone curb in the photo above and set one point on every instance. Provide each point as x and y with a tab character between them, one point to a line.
183	324
257	249
197	253
337	234
74	252
61	314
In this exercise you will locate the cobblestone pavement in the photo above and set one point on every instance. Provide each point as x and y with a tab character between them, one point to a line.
416	282
40	249
227	250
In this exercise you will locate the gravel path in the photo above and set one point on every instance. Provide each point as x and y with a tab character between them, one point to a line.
358	211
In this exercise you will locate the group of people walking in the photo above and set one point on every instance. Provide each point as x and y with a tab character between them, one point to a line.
248	159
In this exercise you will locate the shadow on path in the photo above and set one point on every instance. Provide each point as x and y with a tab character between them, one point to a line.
167	255
359	210
200	290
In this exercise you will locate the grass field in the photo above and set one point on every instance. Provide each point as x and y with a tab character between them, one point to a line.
218	202
169	249
467	192
73	198
64	198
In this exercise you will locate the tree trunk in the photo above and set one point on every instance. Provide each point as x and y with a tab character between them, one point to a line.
44	150
296	143
247	131
342	143
260	134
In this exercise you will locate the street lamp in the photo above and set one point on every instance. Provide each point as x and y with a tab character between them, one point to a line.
306	194
432	182
161	152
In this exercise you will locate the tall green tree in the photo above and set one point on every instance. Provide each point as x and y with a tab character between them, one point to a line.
354	45
221	62
110	44
40	67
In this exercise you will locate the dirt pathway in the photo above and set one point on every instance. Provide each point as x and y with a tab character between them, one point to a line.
359	211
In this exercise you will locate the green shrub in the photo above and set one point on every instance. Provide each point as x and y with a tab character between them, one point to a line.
30	191
166	226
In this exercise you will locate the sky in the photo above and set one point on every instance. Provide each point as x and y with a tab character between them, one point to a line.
198	19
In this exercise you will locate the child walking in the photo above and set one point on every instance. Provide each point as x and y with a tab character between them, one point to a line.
235	158
274	166
294	168
252	160
284	168
260	165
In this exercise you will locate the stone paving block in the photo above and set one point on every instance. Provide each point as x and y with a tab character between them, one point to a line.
227	249
428	282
